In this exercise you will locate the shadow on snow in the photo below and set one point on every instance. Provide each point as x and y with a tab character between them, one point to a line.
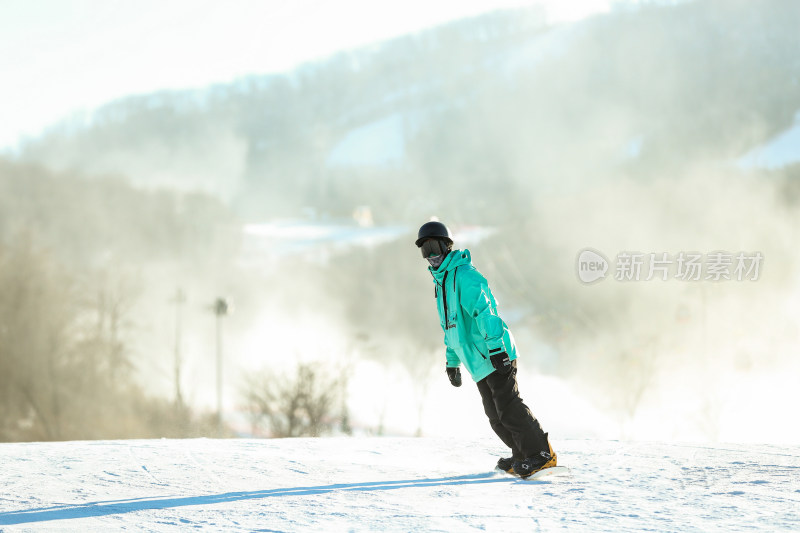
106	508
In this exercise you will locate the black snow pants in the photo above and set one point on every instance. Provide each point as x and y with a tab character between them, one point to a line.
509	417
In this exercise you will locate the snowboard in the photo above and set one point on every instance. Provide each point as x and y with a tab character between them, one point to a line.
548	472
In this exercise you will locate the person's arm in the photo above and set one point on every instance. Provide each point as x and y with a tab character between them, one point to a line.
476	299
452	359
453	368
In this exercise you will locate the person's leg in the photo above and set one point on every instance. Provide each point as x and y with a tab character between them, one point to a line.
513	415
494	419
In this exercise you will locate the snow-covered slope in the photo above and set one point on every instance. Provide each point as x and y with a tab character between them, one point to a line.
780	151
375	484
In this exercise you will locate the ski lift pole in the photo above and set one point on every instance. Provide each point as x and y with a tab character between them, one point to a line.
221	308
178	300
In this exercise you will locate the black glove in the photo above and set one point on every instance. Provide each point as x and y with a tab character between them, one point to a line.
455	376
501	362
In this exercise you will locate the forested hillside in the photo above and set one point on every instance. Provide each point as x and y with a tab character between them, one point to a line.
624	132
493	104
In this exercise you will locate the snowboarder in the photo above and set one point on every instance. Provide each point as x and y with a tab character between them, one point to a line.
475	336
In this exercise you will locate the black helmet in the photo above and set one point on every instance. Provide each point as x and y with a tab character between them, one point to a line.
433	230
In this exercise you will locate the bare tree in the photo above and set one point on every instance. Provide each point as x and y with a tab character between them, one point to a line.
64	368
301	407
35	319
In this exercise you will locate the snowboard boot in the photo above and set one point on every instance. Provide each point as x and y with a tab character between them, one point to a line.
531	465
552	455
506	464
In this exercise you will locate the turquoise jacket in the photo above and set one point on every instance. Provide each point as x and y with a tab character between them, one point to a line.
468	314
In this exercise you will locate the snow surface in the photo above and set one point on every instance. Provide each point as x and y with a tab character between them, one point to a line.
780	151
380	143
378	484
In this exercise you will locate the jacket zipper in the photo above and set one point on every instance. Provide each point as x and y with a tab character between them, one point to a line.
444	300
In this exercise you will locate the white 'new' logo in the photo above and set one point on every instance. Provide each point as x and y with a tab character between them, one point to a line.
591	266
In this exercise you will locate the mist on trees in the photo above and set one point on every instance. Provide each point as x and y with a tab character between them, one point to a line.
298	195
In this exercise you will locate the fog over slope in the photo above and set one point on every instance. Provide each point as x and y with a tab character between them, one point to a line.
625	133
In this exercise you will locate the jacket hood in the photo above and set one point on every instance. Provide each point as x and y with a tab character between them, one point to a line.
454	259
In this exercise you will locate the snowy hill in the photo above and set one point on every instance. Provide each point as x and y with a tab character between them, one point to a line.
781	150
650	89
376	484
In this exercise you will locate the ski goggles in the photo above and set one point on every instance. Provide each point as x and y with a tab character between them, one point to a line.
432	248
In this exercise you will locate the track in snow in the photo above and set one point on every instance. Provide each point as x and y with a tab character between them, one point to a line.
393	484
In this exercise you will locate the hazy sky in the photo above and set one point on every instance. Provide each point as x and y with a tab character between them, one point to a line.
62	56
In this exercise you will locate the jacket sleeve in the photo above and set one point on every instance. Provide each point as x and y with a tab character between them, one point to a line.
452	359
477	300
